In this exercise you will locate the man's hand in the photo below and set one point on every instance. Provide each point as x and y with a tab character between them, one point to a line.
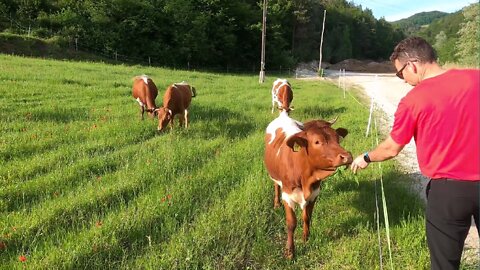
358	163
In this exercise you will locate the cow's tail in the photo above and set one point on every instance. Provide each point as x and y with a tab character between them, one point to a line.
194	91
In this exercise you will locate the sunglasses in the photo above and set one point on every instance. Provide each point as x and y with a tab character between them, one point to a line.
400	72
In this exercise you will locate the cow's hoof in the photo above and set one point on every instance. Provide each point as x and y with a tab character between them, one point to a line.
276	205
305	239
289	254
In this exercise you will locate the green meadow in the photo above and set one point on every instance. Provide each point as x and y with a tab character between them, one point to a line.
85	184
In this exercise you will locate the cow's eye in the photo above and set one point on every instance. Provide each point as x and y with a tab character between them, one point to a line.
317	142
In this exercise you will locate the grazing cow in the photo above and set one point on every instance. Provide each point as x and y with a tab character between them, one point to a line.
176	100
145	92
298	157
282	95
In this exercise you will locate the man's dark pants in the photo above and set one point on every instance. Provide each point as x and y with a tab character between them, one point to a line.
450	206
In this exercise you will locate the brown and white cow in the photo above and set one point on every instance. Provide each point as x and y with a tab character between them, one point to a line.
176	100
282	95
145	92
298	157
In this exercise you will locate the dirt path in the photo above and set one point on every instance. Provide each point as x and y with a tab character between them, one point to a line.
387	90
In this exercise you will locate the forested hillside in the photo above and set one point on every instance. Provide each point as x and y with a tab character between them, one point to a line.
205	33
414	23
453	35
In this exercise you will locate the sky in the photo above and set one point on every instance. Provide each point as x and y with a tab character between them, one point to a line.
401	9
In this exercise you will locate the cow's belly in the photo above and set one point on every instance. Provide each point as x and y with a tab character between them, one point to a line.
296	197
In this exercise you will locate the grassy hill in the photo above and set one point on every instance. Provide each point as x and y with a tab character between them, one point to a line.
84	184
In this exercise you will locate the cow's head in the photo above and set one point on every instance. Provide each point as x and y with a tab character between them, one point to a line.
152	112
286	109
321	143
164	117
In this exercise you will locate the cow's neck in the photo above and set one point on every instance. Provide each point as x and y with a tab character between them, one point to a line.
311	178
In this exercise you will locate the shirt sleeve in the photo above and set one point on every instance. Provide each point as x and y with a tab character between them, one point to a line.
404	124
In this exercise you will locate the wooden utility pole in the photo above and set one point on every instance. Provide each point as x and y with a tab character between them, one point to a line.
321	42
264	28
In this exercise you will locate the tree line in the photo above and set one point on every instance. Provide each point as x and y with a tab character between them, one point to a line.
207	33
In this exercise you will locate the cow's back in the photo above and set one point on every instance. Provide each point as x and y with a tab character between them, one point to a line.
177	98
278	156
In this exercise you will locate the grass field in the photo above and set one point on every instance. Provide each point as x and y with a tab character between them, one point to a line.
84	184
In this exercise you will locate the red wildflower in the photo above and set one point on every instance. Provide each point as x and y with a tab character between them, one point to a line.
169	196
163	199
22	258
98	224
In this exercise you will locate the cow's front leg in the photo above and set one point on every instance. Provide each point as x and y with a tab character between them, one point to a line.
291	225
171	122
142	111
276	198
181	119
307	218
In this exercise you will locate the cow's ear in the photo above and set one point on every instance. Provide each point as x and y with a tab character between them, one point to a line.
342	132
297	140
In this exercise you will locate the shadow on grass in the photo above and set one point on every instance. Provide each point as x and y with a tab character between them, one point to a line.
75	82
402	204
59	115
211	122
321	112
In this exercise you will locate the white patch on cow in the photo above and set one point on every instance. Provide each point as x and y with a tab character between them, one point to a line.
145	78
169	111
182	83
277	182
288	125
140	102
296	197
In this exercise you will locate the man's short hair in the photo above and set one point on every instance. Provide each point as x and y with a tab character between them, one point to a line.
414	48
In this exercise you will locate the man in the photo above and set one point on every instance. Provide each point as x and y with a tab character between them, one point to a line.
442	114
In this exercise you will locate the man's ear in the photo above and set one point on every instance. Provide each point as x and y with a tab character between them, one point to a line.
298	140
342	132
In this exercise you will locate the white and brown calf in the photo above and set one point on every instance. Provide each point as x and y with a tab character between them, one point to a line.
282	95
298	173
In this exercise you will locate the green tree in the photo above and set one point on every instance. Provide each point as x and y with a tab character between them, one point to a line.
467	44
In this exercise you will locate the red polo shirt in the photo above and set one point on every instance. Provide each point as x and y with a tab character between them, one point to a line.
443	115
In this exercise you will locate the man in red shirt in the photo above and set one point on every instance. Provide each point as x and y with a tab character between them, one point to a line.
442	114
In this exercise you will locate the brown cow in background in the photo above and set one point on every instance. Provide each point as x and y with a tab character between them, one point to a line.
176	100
282	95
145	92
299	172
